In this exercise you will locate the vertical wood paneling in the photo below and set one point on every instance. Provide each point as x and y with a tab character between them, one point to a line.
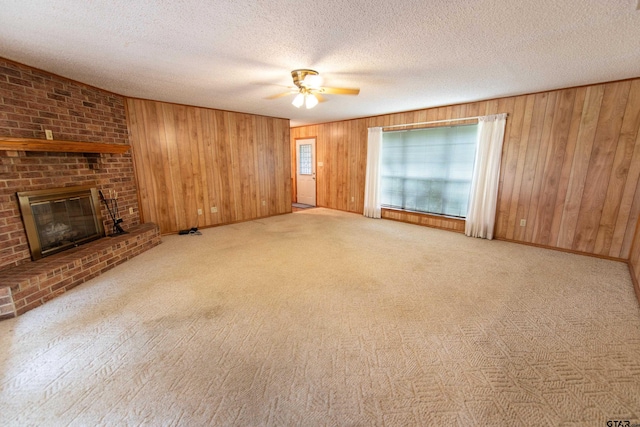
514	197
422	219
198	157
224	161
578	175
531	160
194	133
511	150
567	166
162	167
550	176
537	193
628	241
624	173
634	260
570	165
600	165
190	158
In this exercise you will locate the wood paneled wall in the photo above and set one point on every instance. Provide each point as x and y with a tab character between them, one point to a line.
190	158
341	147
434	221
570	164
634	262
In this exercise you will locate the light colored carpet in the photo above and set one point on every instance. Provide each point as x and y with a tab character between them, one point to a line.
328	318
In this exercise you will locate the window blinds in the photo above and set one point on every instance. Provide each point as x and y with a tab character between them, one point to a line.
428	170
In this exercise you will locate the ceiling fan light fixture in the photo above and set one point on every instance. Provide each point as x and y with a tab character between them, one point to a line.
298	100
310	91
312	81
311	101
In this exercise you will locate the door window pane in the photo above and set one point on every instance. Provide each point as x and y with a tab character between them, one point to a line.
304	160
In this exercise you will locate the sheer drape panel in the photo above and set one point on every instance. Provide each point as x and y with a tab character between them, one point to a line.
486	174
372	180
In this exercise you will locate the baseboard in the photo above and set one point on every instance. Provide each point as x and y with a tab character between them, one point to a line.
169	233
569	251
636	285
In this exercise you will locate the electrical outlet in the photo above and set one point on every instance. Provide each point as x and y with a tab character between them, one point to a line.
523	222
48	134
199	211
264	203
214	209
130	211
353	199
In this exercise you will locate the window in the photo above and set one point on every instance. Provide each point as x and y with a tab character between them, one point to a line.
428	170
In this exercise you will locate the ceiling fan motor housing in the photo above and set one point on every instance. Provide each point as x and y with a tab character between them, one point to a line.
300	74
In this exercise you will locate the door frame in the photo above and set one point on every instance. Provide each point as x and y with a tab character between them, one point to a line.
294	171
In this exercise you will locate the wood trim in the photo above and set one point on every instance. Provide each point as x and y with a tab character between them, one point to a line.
294	191
633	257
569	251
240	221
135	169
464	104
636	285
294	167
179	104
59	146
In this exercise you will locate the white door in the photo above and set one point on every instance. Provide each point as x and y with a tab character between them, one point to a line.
306	171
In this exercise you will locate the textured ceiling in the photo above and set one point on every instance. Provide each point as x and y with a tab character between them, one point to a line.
402	54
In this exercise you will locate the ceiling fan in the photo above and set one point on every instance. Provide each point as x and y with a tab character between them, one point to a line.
309	89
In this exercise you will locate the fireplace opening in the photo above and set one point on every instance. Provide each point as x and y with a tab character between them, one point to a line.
60	218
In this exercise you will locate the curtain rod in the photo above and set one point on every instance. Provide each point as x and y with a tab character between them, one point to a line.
432	122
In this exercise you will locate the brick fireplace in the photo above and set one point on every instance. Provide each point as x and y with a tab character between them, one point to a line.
32	101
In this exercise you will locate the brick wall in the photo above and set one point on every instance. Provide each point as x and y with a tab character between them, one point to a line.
33	100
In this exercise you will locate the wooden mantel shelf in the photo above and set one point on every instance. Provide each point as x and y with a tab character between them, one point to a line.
57	145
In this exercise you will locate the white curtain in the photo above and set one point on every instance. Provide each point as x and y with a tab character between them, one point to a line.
372	178
483	196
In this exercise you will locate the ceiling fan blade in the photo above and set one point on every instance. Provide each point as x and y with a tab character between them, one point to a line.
280	95
339	91
320	97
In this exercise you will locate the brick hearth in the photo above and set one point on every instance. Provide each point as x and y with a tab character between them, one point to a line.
31	284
